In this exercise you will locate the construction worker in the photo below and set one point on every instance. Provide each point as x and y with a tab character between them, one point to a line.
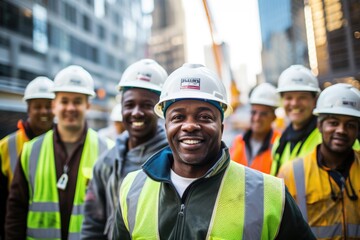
140	86
116	127
299	89
326	183
48	189
253	149
191	189
38	98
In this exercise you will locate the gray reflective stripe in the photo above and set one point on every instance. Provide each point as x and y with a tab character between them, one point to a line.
353	230
254	201
13	151
44	207
102	145
46	233
327	231
73	236
134	194
78	209
34	156
299	177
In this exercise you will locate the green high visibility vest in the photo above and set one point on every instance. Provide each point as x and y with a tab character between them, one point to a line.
38	163
265	199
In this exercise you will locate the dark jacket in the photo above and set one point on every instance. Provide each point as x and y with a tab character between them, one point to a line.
109	171
199	200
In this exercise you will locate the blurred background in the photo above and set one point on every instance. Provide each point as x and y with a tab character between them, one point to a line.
245	42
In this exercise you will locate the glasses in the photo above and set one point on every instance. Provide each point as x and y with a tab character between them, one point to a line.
260	113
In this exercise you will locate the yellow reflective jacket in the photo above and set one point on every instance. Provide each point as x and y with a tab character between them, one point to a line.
310	185
38	164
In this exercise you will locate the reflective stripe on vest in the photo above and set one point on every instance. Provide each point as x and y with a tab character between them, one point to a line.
250	216
13	151
44	217
298	168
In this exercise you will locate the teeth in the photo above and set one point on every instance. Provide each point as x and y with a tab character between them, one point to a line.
43	119
296	110
191	142
138	124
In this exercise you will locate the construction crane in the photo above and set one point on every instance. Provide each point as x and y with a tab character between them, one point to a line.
222	59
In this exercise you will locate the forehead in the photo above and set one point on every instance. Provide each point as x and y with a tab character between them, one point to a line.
192	105
139	94
262	107
39	101
296	94
342	118
70	96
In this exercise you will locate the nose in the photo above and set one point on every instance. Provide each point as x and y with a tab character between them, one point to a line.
190	126
137	111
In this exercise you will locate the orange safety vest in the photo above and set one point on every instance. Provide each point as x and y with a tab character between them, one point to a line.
261	162
10	149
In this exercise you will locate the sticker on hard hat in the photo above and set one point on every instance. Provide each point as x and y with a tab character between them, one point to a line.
144	77
349	103
190	83
297	80
75	81
43	89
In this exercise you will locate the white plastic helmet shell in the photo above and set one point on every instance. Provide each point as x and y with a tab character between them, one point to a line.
40	87
340	98
193	81
74	79
265	94
297	78
146	74
116	115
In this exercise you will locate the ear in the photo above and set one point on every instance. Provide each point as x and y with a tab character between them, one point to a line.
53	106
319	126
222	128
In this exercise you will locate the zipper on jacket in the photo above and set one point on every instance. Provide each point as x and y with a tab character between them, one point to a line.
180	225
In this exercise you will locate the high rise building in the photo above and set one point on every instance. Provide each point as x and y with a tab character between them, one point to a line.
40	37
167	41
283	34
334	40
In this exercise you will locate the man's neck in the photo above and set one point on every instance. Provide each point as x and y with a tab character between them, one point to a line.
331	159
70	136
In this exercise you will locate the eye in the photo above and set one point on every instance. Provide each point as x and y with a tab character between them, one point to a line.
177	117
205	117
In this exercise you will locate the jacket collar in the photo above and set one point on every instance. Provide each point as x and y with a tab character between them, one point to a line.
158	166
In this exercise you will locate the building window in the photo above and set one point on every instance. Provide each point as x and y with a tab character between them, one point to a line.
115	39
53	6
101	32
86	23
69	13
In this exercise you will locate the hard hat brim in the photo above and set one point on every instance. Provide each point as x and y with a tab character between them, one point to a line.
190	95
337	111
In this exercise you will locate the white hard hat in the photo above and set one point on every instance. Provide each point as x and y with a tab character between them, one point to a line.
297	78
193	81
340	98
74	79
40	87
265	94
116	115
146	74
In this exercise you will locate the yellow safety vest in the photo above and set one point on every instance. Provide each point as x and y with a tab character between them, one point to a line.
10	149
38	163
309	144
229	221
310	185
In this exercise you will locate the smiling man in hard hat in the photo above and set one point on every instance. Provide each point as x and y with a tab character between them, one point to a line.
298	89
253	149
140	87
38	95
326	182
48	190
191	189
